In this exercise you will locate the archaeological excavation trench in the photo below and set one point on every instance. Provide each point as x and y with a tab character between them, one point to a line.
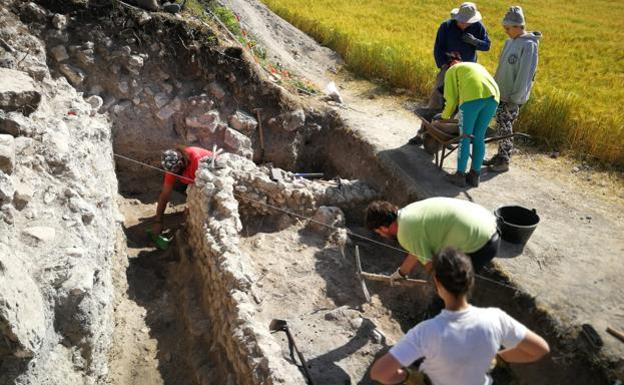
199	312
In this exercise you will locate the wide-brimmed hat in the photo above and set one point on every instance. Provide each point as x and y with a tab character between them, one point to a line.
466	13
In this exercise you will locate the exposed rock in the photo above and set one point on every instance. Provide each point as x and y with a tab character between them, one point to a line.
95	101
18	92
36	13
216	90
22	322
150	5
7	153
161	99
243	122
170	109
59	21
238	143
207	121
292	121
327	216
59	53
75	75
13	123
23	194
86	57
6	188
144	17
40	233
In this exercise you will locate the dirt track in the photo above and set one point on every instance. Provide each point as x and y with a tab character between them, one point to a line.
572	264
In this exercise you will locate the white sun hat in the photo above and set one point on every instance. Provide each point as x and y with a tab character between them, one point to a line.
466	13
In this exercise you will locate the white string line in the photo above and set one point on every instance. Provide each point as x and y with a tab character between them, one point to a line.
303	217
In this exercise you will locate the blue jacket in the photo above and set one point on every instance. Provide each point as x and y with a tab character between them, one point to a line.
449	40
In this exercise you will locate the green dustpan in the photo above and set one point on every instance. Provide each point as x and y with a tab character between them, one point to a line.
160	241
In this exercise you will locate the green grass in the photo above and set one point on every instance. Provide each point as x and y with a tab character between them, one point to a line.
577	101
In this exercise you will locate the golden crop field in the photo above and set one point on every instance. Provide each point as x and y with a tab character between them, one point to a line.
578	99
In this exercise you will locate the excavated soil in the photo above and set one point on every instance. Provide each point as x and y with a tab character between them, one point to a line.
146	345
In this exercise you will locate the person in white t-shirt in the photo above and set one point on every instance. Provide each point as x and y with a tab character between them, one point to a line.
459	344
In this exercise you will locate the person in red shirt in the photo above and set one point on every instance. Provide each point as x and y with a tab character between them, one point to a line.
180	165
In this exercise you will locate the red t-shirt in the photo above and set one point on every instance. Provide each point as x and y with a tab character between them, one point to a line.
195	154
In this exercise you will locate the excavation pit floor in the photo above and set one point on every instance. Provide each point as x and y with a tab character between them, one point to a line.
146	344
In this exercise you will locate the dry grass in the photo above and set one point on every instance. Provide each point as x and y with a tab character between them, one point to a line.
579	92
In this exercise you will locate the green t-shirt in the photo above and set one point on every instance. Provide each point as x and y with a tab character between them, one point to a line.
428	226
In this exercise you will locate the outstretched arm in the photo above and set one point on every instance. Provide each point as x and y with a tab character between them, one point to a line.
163	198
408	264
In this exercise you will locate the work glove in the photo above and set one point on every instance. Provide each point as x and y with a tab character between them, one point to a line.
396	276
470	39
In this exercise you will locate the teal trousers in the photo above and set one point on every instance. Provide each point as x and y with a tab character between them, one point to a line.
474	118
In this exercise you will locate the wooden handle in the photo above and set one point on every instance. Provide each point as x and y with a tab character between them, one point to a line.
615	333
400	282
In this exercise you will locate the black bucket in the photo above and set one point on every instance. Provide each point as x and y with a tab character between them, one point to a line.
516	223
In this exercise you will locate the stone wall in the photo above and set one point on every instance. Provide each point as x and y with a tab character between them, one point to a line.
215	277
57	219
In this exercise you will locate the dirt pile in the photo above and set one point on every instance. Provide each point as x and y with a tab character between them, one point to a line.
57	186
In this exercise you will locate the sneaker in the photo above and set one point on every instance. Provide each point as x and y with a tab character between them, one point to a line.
499	166
472	178
416	141
458	179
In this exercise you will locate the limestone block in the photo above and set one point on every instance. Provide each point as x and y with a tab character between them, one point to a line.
135	61
95	101
23	194
59	21
7	153
85	57
204	122
170	109
123	87
6	188
22	322
243	122
59	53
161	99
35	13
292	121
216	90
327	216
75	75
18	92
40	234
236	141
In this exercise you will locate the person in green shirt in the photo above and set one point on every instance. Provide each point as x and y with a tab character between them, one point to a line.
470	87
426	227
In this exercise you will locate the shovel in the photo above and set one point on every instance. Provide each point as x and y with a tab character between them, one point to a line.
280	325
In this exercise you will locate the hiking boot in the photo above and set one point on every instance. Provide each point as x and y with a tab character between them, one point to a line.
416	141
458	179
500	165
472	178
491	161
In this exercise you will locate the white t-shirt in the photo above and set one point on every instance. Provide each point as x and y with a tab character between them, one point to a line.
458	346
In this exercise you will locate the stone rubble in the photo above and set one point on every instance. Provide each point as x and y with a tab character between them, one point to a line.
55	306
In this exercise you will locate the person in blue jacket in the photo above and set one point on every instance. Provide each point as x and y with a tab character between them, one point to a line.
463	33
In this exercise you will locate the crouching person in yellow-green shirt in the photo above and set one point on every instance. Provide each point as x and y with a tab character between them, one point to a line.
471	89
426	227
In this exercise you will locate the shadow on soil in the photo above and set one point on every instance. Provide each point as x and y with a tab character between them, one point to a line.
147	275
